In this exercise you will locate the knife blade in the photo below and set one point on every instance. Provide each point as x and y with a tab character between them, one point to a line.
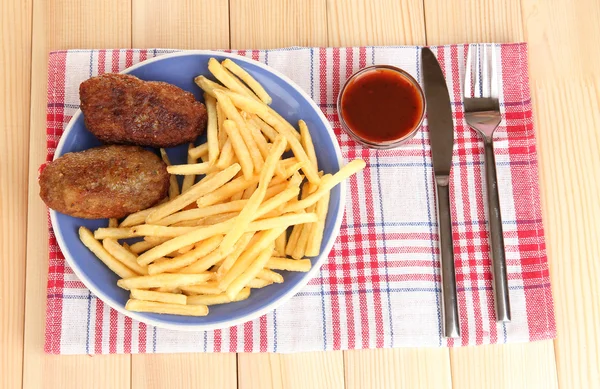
441	137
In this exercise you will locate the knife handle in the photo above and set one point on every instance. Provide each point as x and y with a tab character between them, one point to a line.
498	255
449	300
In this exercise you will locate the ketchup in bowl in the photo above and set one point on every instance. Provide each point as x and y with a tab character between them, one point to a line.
381	106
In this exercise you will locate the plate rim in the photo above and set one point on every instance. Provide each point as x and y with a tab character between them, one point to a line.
253	314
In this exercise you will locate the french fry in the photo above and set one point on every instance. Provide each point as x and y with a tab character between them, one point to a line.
239	147
282	221
307	143
190	178
95	247
173	184
143	245
123	255
261	142
194	236
250	273
207	85
345	172
115	233
228	79
161	231
230	259
216	219
269	275
297	230
204	263
190	169
263	240
198	213
138	217
275	190
161	297
261	110
173	309
281	242
237	196
300	247
226	191
222	134
181	261
113	223
198	151
232	114
166	280
206	185
313	246
211	128
257	283
249	191
214	299
248	79
267	130
211	287
227	153
278	263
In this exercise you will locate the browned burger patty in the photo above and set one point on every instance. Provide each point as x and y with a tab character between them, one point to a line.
102	182
119	108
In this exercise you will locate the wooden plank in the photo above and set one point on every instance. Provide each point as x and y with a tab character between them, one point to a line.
398	368
181	24
157	371
473	21
260	24
60	24
15	18
379	22
383	22
515	366
323	370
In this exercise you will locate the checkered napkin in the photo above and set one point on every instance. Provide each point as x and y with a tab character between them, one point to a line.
380	286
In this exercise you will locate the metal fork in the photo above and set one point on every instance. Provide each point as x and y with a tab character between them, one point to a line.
482	112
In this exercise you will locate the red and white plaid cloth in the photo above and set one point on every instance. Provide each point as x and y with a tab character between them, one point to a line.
381	284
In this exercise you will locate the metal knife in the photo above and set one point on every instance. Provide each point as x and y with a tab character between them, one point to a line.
441	136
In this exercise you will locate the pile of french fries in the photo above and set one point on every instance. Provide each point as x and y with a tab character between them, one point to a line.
212	241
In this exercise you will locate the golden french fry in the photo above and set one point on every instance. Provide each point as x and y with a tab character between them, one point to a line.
138	217
249	191
226	191
183	260
206	185
161	297
247	214
160	231
262	241
307	143
278	263
186	249
345	172
237	196
190	178
239	147
113	223
261	110
190	169
197	213
276	201
297	230
250	273
126	257
115	233
313	246
300	247
261	142
285	221
207	85
211	287
239	247
222	134
274	190
257	283
227	79
216	219
173	184
269	275
204	263
198	151
167	280
232	114
143	245
214	299
227	153
248	79
281	242
95	247
267	130
211	128
173	309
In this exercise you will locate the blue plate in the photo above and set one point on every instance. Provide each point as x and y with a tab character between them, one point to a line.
292	103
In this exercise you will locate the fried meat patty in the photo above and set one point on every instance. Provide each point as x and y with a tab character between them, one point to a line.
122	109
103	182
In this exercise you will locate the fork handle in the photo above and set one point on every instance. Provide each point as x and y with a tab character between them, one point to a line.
498	255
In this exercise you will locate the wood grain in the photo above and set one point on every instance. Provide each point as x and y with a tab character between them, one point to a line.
398	368
323	370
15	51
514	366
57	25
180	24
260	24
157	371
463	21
379	22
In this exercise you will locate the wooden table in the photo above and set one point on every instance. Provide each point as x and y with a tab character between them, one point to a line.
565	82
